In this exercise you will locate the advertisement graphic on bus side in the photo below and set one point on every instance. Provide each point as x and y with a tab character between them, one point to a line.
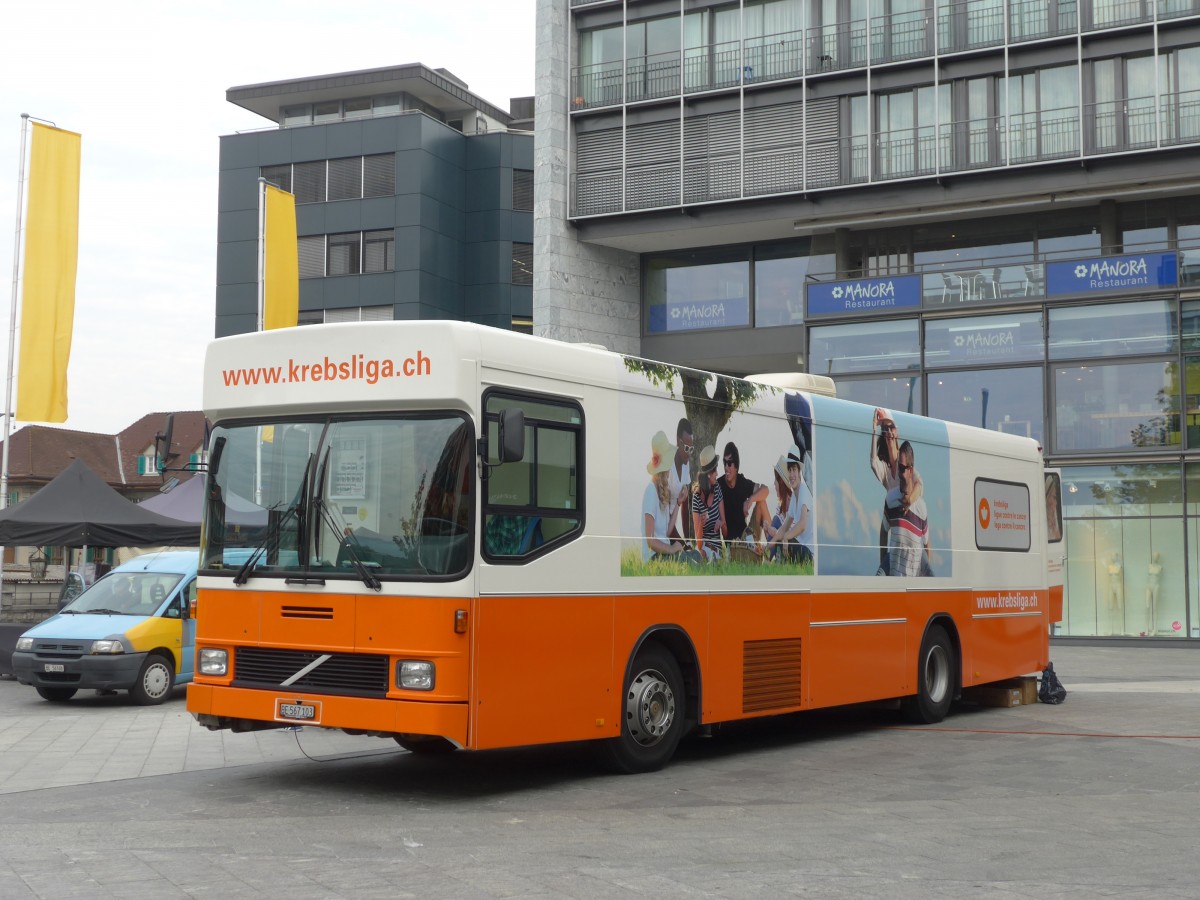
748	479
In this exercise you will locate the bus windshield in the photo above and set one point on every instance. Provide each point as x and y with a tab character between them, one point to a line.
360	498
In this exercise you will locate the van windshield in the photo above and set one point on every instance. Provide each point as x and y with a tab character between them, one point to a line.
126	593
359	498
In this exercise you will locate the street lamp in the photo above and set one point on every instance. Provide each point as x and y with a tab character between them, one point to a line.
37	566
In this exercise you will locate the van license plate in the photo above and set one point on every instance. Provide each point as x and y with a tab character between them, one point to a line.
54	667
298	711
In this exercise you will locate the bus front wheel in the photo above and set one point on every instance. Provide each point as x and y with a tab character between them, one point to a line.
935	679
653	710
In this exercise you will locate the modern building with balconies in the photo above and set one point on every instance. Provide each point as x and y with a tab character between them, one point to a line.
986	211
414	199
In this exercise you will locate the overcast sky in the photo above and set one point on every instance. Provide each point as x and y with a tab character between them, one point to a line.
144	84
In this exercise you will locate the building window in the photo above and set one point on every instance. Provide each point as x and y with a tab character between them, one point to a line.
1008	400
329	111
357	108
983	340
308	179
522	190
379	175
379	251
359	314
1116	407
522	263
345	178
297	115
344	256
348	178
779	276
879	346
311	251
691	290
1118	329
280	176
349	253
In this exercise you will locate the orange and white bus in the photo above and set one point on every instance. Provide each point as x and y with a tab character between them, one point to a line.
466	538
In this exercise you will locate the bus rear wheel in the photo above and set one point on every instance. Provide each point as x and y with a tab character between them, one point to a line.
935	679
652	715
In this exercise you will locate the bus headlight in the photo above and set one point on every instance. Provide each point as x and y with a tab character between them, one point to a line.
414	675
25	644
107	647
213	662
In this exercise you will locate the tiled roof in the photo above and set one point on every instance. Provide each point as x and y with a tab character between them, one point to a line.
38	453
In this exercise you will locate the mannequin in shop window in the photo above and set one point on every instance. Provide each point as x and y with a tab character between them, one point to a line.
1153	576
1116	583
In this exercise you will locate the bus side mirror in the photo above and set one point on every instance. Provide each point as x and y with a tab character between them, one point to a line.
162	445
512	436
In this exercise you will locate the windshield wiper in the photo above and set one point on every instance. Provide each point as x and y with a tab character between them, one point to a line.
349	541
296	510
101	611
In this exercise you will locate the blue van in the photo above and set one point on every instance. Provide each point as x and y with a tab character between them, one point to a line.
131	630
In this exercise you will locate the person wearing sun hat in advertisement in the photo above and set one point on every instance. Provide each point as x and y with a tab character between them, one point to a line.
708	517
659	503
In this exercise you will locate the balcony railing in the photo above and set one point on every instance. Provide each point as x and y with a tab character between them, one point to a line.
785	163
956	26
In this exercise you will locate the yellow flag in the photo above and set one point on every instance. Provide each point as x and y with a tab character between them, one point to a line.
281	266
51	261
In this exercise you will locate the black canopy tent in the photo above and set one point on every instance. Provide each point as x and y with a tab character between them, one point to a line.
77	509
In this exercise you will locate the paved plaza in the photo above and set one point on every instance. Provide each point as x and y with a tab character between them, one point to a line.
1093	798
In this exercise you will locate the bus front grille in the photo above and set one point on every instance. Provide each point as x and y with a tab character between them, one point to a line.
346	674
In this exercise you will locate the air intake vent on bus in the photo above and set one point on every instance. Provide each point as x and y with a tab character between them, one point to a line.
307	612
770	675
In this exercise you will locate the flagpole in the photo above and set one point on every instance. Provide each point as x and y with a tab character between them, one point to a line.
262	306
262	251
12	331
12	324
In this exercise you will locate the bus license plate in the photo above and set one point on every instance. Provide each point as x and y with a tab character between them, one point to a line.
54	667
297	712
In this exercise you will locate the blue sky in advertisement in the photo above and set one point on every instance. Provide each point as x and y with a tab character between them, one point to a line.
850	498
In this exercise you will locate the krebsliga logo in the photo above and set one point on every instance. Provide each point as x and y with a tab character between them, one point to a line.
985	513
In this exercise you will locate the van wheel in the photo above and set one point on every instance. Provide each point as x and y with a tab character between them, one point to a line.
425	745
56	695
935	679
155	682
652	715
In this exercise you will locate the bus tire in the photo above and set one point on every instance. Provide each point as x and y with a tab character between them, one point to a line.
56	694
653	711
155	681
425	745
935	679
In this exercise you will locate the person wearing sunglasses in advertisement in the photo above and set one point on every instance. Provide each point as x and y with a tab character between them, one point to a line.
908	522
743	502
885	464
679	481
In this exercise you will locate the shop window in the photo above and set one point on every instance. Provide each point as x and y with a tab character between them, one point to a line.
1007	400
875	346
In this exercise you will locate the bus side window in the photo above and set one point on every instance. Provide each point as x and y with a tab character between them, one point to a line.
535	502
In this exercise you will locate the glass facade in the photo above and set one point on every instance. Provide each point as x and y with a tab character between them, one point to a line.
1031	341
1075	322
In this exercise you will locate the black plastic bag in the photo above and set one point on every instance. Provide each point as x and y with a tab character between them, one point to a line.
1051	689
